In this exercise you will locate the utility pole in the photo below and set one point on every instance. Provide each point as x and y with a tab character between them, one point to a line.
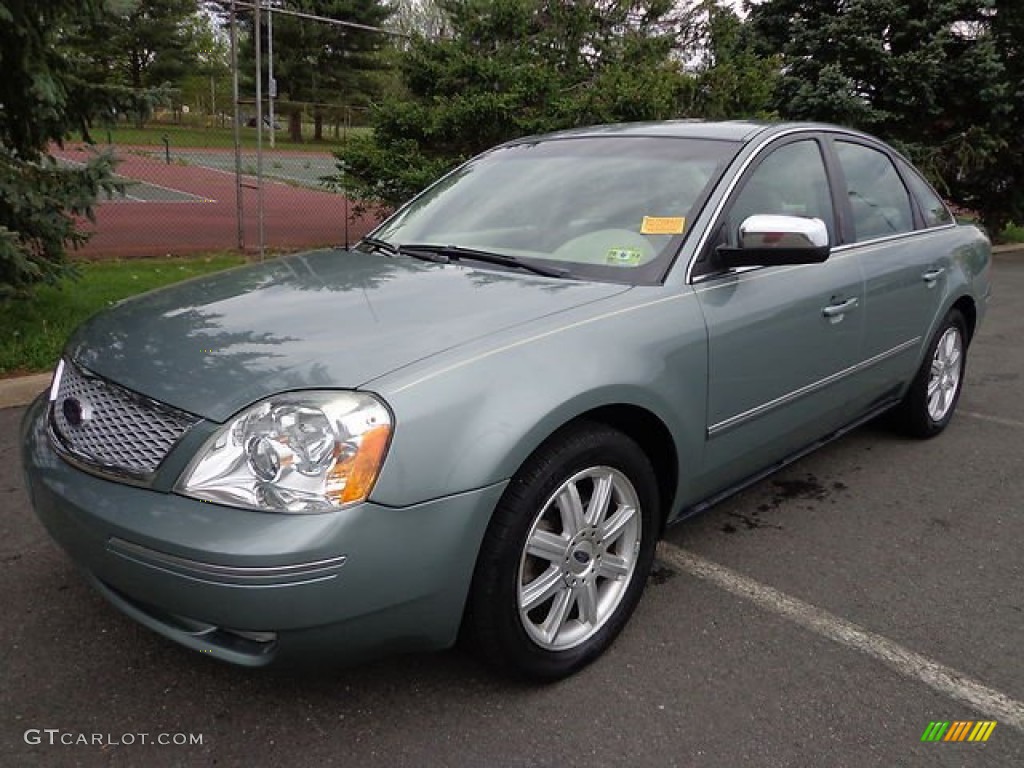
236	123
259	128
271	82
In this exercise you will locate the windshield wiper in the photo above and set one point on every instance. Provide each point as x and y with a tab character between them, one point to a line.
445	253
379	245
391	249
424	252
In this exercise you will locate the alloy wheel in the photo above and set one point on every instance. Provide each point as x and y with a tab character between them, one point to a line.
944	378
579	558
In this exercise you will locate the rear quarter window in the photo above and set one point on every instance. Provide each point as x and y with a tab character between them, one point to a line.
935	212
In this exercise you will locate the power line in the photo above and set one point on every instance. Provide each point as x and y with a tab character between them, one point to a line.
325	19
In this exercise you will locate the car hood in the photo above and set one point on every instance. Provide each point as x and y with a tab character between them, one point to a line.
325	319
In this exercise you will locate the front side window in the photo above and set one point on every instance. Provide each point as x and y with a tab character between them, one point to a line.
878	199
790	181
608	208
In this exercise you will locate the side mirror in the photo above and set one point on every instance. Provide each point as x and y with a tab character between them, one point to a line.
770	240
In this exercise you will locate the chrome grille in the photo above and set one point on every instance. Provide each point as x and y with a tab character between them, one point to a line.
117	430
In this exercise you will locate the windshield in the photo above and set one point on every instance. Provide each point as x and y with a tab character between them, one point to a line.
606	208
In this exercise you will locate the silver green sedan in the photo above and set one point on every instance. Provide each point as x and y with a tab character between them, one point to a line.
478	421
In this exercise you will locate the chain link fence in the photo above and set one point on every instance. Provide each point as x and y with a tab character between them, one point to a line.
202	176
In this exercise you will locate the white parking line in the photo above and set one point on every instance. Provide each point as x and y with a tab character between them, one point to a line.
941	678
993	419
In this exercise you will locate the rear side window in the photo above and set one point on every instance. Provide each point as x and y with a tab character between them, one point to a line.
878	199
935	212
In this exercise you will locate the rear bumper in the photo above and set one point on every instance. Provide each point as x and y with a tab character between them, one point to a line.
251	587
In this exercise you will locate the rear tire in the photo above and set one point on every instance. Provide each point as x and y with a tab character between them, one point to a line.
566	556
933	395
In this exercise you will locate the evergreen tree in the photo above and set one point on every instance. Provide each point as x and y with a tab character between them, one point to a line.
997	187
731	79
939	78
138	44
43	97
317	64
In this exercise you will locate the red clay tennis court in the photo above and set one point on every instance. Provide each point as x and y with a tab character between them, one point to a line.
187	207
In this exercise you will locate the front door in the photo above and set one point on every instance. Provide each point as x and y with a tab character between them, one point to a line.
782	340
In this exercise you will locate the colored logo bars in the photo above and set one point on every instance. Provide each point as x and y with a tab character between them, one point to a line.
959	730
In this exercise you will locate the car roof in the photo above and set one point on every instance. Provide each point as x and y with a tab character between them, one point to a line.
728	130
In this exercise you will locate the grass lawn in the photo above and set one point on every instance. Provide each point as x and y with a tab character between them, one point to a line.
35	329
220	138
1012	234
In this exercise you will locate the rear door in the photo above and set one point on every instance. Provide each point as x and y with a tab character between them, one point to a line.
896	239
782	340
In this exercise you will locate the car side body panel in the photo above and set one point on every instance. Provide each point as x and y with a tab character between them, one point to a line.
781	371
646	349
905	307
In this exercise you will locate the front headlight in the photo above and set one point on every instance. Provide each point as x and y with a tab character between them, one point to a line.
297	452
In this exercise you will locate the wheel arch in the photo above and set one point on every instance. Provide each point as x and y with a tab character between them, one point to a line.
963	303
498	638
654	439
647	430
966	306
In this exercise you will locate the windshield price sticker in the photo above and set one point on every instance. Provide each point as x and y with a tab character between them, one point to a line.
662	225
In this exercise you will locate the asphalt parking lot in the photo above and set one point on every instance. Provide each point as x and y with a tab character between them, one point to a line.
823	618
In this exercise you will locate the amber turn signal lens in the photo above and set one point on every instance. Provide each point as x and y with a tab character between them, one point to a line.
352	479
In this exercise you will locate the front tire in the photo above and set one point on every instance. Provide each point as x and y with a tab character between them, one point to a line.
931	400
567	553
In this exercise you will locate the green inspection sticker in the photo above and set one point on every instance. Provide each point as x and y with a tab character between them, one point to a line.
623	257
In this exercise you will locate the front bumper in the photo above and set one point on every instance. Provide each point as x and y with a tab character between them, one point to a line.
252	587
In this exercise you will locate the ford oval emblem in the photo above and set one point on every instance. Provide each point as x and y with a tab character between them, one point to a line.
75	411
581	557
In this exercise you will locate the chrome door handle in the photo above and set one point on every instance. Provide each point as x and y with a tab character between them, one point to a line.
835	310
933	274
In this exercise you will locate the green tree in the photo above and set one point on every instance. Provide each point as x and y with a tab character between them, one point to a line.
939	78
140	44
997	188
731	79
318	64
43	97
207	86
507	68
153	41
